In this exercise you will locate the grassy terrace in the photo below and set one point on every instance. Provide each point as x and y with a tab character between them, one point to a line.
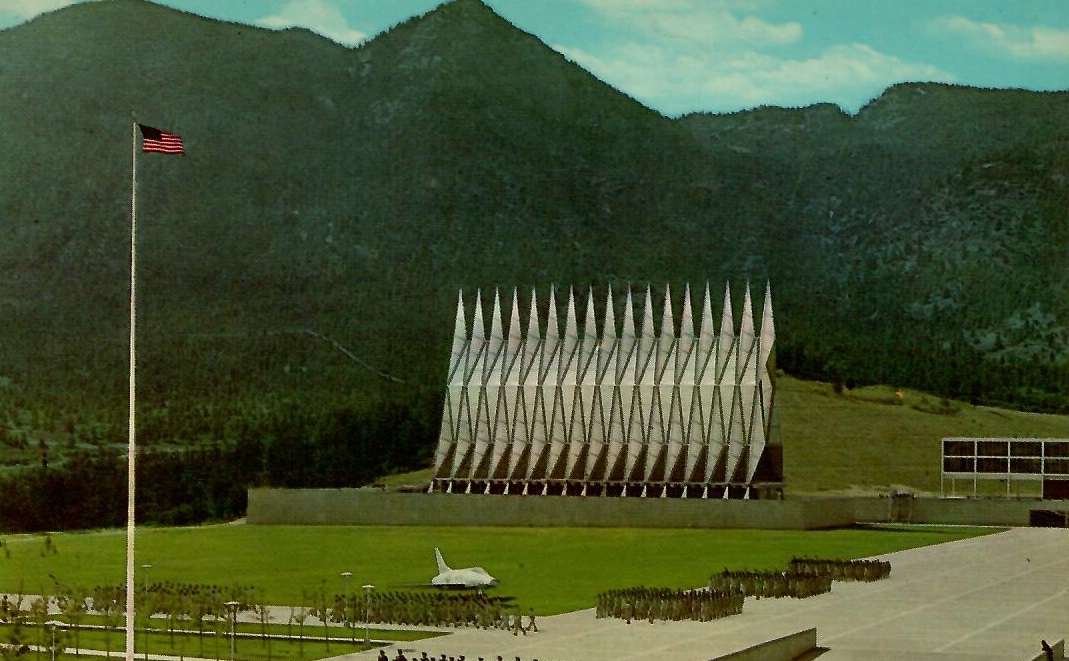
868	440
552	570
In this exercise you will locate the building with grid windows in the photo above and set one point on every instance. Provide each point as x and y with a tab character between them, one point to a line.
1006	461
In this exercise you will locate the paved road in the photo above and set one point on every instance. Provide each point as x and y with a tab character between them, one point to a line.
989	598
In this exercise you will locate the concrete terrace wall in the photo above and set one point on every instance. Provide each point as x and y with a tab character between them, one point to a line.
369	507
786	648
1058	650
366	507
955	511
984	511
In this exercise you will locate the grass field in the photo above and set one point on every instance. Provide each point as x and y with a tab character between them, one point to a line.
865	440
552	570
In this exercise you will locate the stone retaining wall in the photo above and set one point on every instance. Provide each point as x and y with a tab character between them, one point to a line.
368	507
1059	652
781	649
372	507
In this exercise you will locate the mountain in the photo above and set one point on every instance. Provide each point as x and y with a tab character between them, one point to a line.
305	255
939	214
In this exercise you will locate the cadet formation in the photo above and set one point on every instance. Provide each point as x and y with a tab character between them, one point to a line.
436	609
400	656
842	570
727	590
772	584
667	604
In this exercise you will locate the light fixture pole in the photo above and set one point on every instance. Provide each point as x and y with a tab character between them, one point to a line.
52	628
350	620
232	606
144	600
367	612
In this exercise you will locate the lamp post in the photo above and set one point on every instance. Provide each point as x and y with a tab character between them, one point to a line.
232	606
350	620
367	612
52	628
144	599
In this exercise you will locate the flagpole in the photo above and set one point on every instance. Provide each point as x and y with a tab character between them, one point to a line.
130	462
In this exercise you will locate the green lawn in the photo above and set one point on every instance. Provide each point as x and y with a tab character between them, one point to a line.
553	570
868	440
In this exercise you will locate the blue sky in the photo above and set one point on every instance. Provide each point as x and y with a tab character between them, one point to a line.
680	56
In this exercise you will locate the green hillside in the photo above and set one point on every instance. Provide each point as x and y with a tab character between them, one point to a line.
299	267
867	440
853	441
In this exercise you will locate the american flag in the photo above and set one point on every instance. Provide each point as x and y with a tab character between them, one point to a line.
163	142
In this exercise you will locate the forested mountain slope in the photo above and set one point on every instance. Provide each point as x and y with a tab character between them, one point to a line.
302	261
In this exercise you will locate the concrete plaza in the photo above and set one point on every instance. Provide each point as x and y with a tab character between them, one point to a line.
990	598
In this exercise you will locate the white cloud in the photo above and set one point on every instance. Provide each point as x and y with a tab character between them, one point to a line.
720	27
25	9
722	55
700	22
615	6
32	6
680	81
1015	41
838	73
620	6
318	16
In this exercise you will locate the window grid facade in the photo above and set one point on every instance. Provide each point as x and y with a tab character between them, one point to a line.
1003	459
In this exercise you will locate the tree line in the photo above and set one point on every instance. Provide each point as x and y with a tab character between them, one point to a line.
210	482
938	364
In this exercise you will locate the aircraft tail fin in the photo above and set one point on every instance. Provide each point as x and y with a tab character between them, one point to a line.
442	567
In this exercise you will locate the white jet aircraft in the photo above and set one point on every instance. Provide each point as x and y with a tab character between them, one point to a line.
471	577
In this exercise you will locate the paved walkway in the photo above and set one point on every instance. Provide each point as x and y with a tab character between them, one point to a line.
989	598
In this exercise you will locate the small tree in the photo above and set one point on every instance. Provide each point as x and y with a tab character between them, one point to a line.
199	609
263	613
177	610
11	614
72	603
300	615
352	614
150	602
217	611
324	614
339	612
182	611
109	601
39	615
